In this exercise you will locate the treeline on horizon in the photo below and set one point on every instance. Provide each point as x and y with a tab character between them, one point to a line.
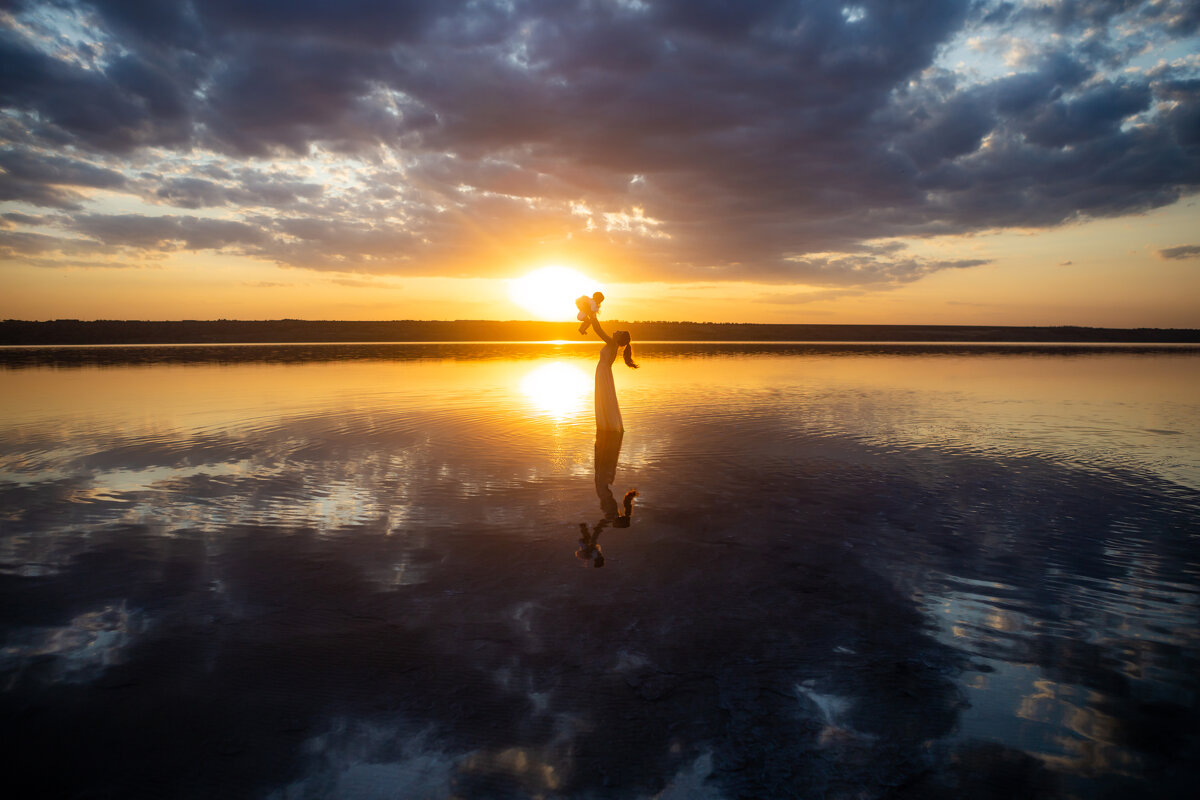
84	332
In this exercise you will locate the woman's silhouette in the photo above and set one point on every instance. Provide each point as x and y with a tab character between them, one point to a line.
608	413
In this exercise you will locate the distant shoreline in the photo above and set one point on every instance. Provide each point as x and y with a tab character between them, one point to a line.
79	332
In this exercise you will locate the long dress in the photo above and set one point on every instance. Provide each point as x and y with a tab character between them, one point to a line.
608	413
608	452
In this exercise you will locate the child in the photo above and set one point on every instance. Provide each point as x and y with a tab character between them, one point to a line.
588	308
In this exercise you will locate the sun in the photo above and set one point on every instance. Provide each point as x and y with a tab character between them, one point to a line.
549	293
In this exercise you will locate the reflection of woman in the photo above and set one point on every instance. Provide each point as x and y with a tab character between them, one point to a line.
608	451
608	413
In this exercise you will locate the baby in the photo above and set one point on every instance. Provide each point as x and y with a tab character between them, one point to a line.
588	308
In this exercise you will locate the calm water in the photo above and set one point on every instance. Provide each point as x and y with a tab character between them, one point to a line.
371	571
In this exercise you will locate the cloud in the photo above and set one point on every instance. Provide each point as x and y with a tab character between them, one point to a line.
25	166
40	249
1177	253
26	219
803	298
364	283
249	188
129	104
679	140
858	270
49	181
167	232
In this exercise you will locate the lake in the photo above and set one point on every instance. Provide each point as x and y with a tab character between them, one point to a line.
415	571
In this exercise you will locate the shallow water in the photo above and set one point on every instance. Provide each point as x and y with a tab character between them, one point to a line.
849	571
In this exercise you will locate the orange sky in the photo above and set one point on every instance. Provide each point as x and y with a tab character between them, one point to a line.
1114	278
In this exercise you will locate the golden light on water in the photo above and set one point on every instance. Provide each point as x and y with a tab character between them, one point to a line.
549	293
558	389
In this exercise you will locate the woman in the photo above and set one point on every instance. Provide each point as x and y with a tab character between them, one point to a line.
608	413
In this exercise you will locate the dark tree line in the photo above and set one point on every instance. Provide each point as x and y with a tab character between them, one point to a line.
78	332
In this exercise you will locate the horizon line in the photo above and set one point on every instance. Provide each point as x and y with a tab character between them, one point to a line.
572	323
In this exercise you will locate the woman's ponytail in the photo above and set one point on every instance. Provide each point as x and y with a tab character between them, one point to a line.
629	356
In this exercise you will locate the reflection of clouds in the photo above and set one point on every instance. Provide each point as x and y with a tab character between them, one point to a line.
82	649
1082	616
329	470
834	711
114	482
1079	737
360	759
509	668
527	767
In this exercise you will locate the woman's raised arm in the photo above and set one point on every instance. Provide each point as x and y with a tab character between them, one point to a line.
600	331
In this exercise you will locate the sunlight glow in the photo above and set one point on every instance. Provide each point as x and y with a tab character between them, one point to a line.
550	292
558	389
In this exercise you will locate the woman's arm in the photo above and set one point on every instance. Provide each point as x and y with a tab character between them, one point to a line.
600	331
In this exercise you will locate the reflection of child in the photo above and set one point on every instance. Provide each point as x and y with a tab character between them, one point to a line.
588	308
589	540
589	548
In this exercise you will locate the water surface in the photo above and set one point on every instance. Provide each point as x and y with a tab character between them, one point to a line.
371	571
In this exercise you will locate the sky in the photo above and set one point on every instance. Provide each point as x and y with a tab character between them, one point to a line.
932	161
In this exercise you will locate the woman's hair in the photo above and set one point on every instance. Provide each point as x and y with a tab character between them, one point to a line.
622	340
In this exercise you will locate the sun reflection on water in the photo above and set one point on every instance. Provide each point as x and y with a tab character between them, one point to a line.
558	389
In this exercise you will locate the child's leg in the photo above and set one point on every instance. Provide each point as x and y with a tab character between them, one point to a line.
586	322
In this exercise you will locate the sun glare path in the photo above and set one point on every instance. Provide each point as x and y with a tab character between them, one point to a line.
558	389
550	292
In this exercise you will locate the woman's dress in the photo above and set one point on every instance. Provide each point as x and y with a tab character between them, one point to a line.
608	413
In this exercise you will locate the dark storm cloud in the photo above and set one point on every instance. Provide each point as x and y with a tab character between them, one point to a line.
1181	17
129	104
373	22
1097	112
287	94
56	170
694	140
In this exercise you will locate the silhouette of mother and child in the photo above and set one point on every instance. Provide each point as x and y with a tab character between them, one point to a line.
609	432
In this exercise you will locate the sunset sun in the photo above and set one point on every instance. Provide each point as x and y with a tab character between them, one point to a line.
549	293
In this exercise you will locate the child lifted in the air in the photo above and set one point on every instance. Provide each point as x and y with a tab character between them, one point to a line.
588	307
